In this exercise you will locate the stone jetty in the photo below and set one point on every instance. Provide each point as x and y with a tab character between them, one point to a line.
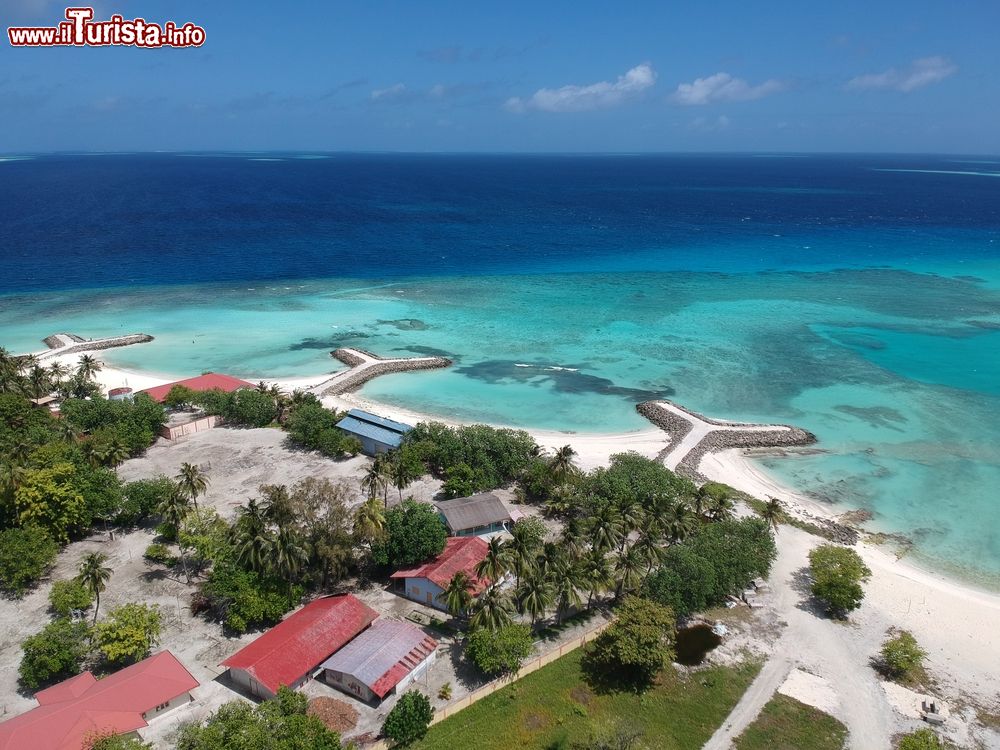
364	365
70	343
692	435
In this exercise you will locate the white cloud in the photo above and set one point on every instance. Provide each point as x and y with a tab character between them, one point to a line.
706	125
917	74
390	92
722	87
600	95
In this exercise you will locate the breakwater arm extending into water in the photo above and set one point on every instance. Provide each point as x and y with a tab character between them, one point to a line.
364	365
69	343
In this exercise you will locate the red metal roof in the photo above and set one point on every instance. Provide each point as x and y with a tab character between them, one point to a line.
460	553
207	382
82	706
298	644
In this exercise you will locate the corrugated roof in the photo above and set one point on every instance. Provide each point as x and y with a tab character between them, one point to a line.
294	647
207	382
460	553
372	431
375	419
383	655
82	705
469	512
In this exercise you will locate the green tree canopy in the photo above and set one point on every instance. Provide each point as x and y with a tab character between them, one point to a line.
500	651
408	720
25	556
281	724
55	653
837	574
128	633
413	533
901	656
639	643
67	595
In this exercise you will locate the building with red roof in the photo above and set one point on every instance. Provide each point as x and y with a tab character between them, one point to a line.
384	659
81	707
290	652
210	381
425	583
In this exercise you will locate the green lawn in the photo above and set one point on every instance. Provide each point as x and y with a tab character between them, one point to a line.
554	707
786	724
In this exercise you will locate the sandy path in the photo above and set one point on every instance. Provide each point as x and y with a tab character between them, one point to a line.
754	699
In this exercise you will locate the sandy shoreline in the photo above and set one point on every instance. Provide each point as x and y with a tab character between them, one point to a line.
952	619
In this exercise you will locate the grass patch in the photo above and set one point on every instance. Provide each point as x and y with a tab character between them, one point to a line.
786	724
555	707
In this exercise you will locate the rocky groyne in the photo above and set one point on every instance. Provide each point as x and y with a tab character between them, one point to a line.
365	365
68	343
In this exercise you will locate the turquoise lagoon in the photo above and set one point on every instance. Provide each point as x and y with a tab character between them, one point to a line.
894	370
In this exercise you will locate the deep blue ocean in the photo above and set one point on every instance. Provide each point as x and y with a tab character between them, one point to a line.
856	296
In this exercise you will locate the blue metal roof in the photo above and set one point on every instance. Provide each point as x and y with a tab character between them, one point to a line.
365	429
375	419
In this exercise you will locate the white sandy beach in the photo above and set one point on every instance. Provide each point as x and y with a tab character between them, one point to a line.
956	623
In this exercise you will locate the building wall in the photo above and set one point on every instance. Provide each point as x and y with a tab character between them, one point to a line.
349	685
478	530
424	591
416	674
190	428
246	681
180	700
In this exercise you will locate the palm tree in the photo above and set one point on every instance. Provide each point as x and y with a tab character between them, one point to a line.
628	570
115	454
93	575
192	481
68	431
721	508
571	539
93	453
567	582
375	481
534	595
173	510
401	473
493	610
458	596
605	529
561	464
58	371
596	572
251	537
678	522
87	367
288	556
38	380
773	512
369	521
649	549
631	518
496	564
521	551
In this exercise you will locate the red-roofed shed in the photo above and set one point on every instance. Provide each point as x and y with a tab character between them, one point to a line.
82	706
425	583
210	381
290	652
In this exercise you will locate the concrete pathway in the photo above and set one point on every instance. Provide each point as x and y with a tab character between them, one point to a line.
363	366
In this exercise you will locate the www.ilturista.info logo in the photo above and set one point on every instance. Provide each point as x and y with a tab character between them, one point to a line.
80	30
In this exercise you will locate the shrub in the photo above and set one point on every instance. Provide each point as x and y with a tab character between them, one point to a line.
160	553
408	720
250	407
445	692
901	657
25	555
66	596
685	581
639	643
837	574
413	533
281	724
141	498
111	741
500	651
243	599
55	653
128	633
922	739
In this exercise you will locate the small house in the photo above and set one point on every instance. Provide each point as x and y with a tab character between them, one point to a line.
484	513
381	661
289	653
210	381
377	434
426	583
121	704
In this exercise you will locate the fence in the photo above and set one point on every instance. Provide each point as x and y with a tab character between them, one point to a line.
535	664
189	428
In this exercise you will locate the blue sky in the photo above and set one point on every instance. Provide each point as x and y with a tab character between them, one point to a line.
879	75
